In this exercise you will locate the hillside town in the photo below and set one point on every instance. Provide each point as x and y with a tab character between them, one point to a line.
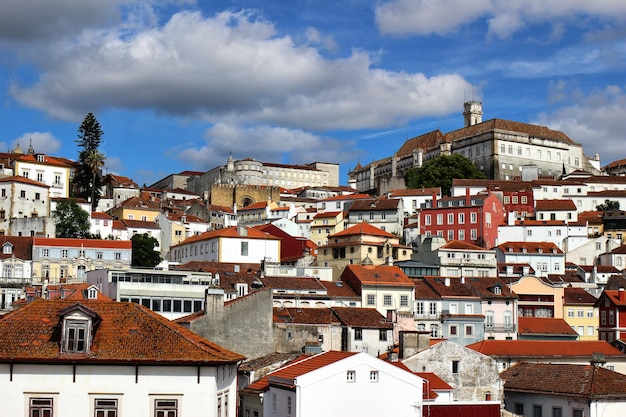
286	290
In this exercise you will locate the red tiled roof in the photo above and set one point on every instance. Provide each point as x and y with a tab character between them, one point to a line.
544	326
309	364
22	247
48	160
339	289
297	315
380	204
577	296
383	275
414	192
426	141
368	318
293	283
100	215
254	206
364	228
19	178
579	381
531	247
228	232
323	214
127	333
544	348
140	224
555	205
348	197
459	245
84	243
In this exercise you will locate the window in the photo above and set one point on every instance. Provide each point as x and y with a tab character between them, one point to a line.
473	234
426	219
603	317
22	194
40	407
434	330
166	408
570	312
404	301
371	299
461	218
40	176
611	317
519	409
507	199
419	308
244	248
358	333
118	256
580	312
98	255
461	234
454	330
76	333
373	376
382	335
590	331
37	196
455	367
450	235
439	218
577	413
537	411
433	308
450	218
387	300
473	217
524	199
351	376
289	405
105	407
469	330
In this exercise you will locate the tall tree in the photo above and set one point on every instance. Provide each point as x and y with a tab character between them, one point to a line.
440	171
87	180
143	251
71	220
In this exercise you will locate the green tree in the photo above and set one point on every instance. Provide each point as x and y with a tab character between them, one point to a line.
87	182
608	205
440	171
71	220
143	251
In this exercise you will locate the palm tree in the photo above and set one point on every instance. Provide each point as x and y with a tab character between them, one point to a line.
94	160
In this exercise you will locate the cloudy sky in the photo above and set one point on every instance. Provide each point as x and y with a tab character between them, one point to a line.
179	85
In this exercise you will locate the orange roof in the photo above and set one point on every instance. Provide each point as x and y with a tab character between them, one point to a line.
309	364
82	243
47	160
459	245
18	178
347	197
100	215
364	228
229	232
529	247
126	333
254	206
555	205
545	348
375	275
544	326
414	192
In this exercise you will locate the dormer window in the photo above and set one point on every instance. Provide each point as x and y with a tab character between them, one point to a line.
7	248
77	328
540	250
497	290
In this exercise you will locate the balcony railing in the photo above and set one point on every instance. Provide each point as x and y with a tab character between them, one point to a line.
15	282
499	328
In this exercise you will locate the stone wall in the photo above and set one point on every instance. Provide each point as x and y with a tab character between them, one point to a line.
241	195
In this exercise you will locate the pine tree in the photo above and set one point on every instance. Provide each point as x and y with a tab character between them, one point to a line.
87	180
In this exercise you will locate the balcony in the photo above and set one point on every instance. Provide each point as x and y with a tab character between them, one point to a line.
11	282
500	328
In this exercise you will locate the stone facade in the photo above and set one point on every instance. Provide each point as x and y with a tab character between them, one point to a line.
238	195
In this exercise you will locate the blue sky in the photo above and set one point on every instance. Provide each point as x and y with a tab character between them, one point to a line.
179	85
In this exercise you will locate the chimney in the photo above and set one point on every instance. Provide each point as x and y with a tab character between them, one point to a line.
446	281
622	295
467	197
434	203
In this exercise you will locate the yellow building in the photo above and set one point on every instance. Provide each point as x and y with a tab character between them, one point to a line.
325	224
137	208
537	298
361	244
580	313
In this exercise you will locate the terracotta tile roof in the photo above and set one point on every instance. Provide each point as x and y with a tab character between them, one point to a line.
309	364
304	315
455	289
536	223
414	192
47	160
76	292
530	247
141	203
118	225
228	232
427	141
614	296
381	275
494	185
127	333
619	250
23	180
100	215
518	268
272	359
380	204
255	206
325	214
484	287
339	289
84	243
364	228
348	197
435	383
544	326
459	245
555	205
577	296
188	218
511	126
22	247
368	318
545	348
423	291
140	224
293	283
579	381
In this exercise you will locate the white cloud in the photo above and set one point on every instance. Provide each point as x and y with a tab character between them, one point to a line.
504	17
596	121
43	142
265	143
232	66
